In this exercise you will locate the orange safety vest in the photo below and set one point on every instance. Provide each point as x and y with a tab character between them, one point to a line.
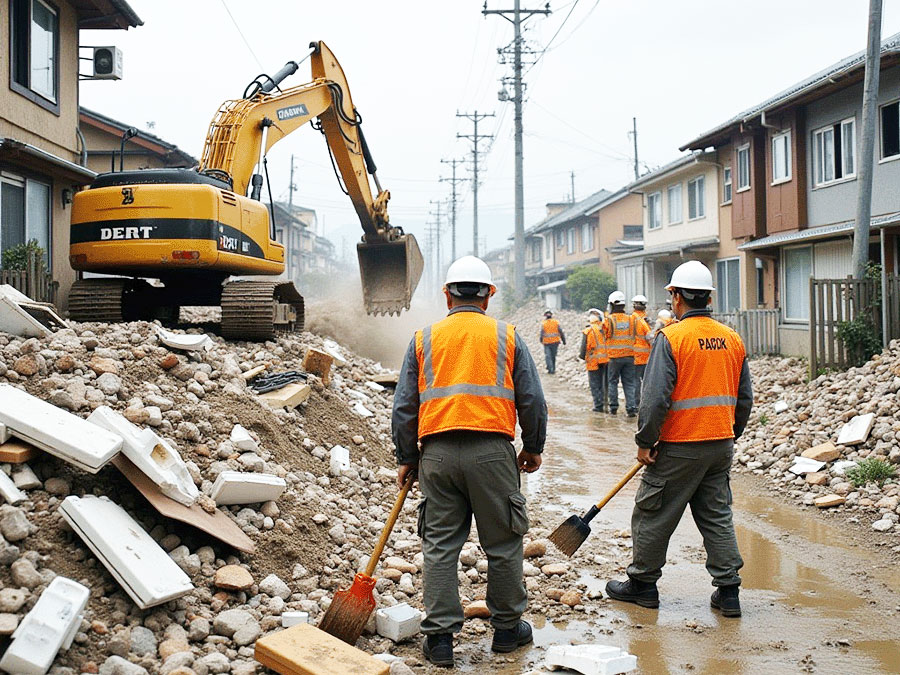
620	334
466	375
641	343
709	357
550	332
640	313
595	346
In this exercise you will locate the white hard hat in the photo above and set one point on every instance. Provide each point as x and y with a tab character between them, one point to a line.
469	269
617	298
692	275
639	298
594	310
664	314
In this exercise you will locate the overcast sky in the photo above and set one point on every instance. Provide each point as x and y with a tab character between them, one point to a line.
679	67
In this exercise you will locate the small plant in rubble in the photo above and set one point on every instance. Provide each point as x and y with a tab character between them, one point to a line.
871	470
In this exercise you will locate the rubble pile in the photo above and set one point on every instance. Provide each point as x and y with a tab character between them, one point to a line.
799	425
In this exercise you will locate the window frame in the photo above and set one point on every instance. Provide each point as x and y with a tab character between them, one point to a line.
25	180
881	157
587	228
700	203
723	292
657	196
669	189
26	91
737	153
788	155
560	237
729	184
820	132
784	272
570	241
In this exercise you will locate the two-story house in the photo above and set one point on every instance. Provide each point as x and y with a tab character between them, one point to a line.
42	159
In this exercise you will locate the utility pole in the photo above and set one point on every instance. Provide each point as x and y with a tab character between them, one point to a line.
438	264
475	117
867	145
633	134
291	188
519	15
453	180
572	177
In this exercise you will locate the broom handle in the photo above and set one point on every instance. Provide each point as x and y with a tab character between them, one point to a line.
612	493
389	525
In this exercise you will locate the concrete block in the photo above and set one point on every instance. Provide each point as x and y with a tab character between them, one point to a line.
824	452
590	659
234	487
339	460
362	410
804	465
242	440
289	619
151	454
857	430
318	363
827	501
306	650
49	626
57	431
25	478
398	622
15	451
780	406
184	341
289	396
838	468
20	315
9	491
374	386
333	349
134	559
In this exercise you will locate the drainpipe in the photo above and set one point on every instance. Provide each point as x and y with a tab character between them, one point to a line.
83	157
762	122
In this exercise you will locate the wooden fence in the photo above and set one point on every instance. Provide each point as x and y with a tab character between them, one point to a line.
758	329
831	303
34	281
891	304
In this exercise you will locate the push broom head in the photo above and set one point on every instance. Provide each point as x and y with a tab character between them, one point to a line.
570	535
350	610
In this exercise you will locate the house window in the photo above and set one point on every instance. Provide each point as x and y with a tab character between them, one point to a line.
834	152
760	283
24	213
781	157
570	240
587	237
654	211
743	168
674	197
728	284
890	130
633	232
560	238
696	198
34	48
797	271
726	185
536	251
549	251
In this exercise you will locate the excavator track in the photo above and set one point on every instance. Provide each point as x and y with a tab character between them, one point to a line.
255	310
97	300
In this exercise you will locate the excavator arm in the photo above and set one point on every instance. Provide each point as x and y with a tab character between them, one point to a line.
243	131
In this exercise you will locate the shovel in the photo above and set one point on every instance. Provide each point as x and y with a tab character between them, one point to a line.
350	610
572	533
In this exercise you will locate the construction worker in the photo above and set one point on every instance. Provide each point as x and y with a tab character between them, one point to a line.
642	342
621	329
697	401
551	335
596	360
463	382
664	317
639	307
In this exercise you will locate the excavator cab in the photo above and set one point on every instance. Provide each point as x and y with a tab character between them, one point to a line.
390	272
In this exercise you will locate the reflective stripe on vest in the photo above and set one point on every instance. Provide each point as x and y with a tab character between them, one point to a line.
621	340
595	347
465	375
709	357
550	332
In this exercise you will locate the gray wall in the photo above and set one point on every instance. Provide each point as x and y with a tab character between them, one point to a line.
837	203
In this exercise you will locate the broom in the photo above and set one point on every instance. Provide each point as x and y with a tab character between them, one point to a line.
572	533
350	610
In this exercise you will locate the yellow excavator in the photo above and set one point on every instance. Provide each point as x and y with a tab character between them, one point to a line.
175	236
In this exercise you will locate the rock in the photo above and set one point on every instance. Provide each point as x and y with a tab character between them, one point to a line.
358	440
101	365
27	365
8	623
178	662
477	610
554	593
889	503
109	383
231	621
338	535
116	665
15	526
12	599
168	362
24	574
57	486
400	564
882	525
826	452
468	557
143	641
65	363
571	598
406	584
555	568
274	587
828	501
536	548
216	662
817	478
400	668
233	578
198	630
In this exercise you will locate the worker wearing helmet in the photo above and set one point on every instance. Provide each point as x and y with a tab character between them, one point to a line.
596	359
551	335
664	317
697	402
463	383
621	330
639	307
642	340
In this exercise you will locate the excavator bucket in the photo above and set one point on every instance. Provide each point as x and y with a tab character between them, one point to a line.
390	272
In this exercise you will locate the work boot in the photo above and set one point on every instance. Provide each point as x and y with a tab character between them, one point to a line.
639	592
725	599
509	639
613	412
438	649
631	413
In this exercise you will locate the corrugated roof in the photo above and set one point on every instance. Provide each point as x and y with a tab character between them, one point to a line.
674	165
844	67
665	249
812	233
577	210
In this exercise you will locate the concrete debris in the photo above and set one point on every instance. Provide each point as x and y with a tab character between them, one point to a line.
804	465
133	558
49	626
184	341
333	349
824	452
374	386
303	649
857	430
20	315
780	406
242	440
289	619
151	454
362	410
9	491
339	460
234	487
318	363
24	478
590	659
399	622
883	525
839	468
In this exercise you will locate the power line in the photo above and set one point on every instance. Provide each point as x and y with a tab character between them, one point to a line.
243	37
547	46
453	180
475	117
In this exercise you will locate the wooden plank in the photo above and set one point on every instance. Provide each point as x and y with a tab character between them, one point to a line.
831	323
16	451
307	650
289	396
821	323
813	355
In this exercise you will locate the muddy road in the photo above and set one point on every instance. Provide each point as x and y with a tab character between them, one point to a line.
813	599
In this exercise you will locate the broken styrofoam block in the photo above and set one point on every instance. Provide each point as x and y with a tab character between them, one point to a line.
8	489
151	454
857	430
804	465
25	478
374	386
20	315
57	431
137	562
781	406
289	619
306	649
590	659
362	410
333	349
234	487
398	622
49	626
838	468
184	341
339	460
242	440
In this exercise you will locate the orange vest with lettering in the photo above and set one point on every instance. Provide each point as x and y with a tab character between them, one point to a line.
466	375
641	343
550	332
709	357
620	335
595	346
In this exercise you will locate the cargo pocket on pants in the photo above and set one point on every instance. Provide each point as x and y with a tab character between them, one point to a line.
650	493
518	514
420	522
729	497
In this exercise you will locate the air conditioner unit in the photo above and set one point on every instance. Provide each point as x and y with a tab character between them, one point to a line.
107	63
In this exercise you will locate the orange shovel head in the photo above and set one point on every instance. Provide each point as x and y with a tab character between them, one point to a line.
350	610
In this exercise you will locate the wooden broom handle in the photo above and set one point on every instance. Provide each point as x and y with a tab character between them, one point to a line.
389	525
612	493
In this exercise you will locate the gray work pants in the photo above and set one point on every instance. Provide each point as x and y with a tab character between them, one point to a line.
638	382
550	356
623	367
686	473
597	383
462	474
